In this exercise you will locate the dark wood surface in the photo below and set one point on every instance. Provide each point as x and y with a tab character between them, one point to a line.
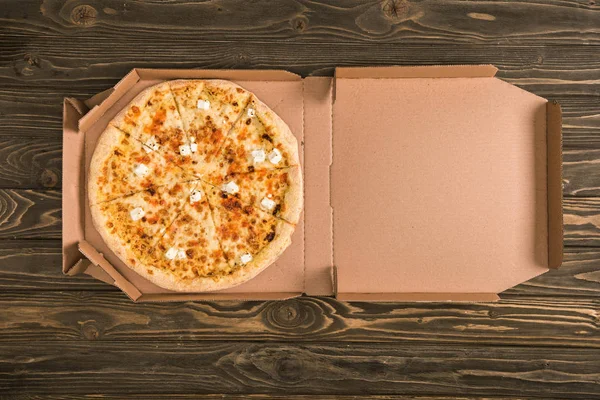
71	338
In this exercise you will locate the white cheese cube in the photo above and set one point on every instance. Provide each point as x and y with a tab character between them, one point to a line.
141	170
195	196
275	156
258	155
246	258
181	254
185	150
203	104
137	213
151	145
267	204
230	188
171	253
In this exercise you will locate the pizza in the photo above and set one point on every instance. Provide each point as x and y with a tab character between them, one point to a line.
196	185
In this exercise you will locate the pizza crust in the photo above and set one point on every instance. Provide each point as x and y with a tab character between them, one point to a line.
294	197
261	261
140	100
99	220
104	148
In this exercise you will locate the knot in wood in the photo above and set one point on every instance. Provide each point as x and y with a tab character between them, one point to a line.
395	9
90	331
289	369
84	15
48	178
299	24
286	314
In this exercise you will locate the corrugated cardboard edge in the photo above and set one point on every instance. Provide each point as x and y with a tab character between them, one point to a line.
432	71
412	297
555	200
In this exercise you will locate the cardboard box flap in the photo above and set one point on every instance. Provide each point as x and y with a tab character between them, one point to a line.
441	188
106	102
555	210
97	259
433	71
72	164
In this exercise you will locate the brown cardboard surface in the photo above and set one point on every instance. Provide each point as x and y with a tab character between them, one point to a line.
555	211
383	297
448	185
433	71
72	165
317	160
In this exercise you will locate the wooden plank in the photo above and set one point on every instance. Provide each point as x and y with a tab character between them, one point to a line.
30	214
30	163
582	221
580	172
36	264
111	317
250	397
280	368
395	21
570	70
578	276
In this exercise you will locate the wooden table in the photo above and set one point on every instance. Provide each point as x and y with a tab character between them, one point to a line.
65	337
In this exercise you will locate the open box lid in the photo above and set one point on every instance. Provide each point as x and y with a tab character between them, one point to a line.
445	183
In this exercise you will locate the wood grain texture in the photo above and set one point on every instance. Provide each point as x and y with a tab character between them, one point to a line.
581	175
111	317
357	368
253	397
582	221
399	21
37	265
30	163
30	214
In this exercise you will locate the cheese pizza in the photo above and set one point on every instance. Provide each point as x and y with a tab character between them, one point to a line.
196	185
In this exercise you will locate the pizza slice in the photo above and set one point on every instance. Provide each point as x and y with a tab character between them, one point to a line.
131	225
275	191
258	140
122	165
250	238
188	257
152	117
208	108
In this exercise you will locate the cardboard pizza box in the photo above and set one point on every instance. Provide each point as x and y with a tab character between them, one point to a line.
421	183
